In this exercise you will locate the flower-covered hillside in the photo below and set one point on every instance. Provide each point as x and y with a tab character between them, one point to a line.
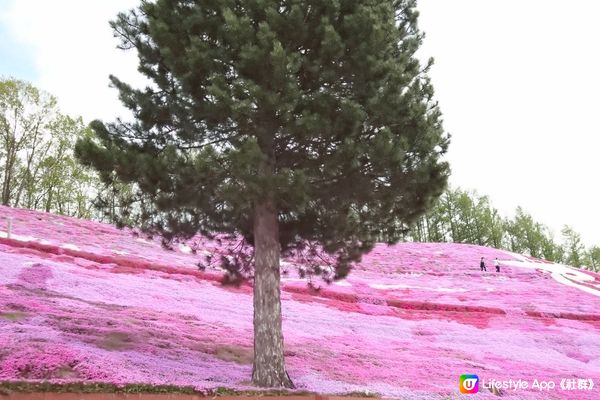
83	301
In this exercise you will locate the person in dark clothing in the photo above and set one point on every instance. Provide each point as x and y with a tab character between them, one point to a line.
482	265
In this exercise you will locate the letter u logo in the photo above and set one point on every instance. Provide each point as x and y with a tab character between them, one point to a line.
469	384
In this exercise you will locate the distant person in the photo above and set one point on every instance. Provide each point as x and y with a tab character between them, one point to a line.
482	265
497	264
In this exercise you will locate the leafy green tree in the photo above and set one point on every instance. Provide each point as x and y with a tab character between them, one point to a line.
464	221
574	249
551	250
525	235
435	223
25	113
114	201
438	224
494	226
483	219
292	124
63	186
514	237
594	258
461	217
419	231
471	218
39	170
464	217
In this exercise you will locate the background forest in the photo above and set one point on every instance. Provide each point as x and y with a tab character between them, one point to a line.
38	170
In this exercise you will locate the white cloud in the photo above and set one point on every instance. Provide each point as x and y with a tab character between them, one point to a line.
75	52
517	81
518	84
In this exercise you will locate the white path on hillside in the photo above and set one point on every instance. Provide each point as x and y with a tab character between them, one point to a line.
561	273
21	238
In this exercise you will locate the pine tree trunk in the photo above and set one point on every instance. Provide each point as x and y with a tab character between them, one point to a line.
269	366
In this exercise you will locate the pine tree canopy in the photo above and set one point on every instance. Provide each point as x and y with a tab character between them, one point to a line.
319	109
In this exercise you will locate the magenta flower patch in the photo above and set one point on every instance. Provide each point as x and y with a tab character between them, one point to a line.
83	301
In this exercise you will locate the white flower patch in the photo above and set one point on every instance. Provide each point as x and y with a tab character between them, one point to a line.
561	273
449	290
20	238
388	287
184	248
293	280
402	286
342	283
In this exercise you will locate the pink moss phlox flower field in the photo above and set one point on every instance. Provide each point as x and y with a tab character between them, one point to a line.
84	301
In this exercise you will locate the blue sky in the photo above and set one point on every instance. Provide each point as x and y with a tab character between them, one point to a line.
16	58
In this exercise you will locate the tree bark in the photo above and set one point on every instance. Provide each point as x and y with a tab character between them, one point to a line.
269	365
49	200
6	185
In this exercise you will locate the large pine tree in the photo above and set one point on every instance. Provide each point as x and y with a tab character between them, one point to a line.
286	122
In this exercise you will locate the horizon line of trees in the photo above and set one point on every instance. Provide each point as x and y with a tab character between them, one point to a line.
462	216
38	170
